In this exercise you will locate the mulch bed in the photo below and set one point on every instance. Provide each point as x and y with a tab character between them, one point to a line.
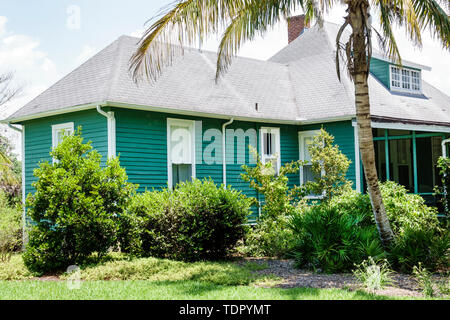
403	285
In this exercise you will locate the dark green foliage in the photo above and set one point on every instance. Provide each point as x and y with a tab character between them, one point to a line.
195	221
324	231
419	237
444	191
332	239
77	207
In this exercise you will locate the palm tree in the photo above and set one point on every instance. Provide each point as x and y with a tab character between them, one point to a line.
187	21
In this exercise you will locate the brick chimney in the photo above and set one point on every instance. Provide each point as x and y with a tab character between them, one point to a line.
296	26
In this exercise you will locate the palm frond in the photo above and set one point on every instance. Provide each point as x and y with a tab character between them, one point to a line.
254	18
430	14
182	23
389	13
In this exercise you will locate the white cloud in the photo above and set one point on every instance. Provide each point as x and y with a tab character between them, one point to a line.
3	21
33	69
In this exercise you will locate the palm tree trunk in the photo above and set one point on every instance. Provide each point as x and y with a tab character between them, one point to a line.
359	70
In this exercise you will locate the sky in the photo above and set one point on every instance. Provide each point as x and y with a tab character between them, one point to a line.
43	40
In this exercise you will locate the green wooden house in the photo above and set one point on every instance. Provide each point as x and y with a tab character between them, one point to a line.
184	125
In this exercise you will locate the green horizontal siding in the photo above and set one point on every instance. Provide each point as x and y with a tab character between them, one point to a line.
38	138
344	137
141	142
380	69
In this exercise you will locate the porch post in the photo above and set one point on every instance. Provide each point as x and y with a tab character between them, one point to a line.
386	151
416	185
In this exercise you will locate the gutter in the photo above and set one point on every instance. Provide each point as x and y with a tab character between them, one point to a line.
111	131
24	221
224	163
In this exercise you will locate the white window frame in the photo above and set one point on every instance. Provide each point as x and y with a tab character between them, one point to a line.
410	71
68	126
191	125
301	143
276	131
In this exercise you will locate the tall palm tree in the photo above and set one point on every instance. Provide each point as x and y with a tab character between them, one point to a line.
187	21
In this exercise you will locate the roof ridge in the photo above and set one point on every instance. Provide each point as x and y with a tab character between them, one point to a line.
116	61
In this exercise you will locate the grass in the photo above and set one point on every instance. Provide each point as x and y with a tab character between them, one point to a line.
166	290
120	278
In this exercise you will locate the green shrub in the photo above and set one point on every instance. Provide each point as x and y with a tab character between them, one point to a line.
10	228
332	240
195	221
419	237
329	165
271	236
444	191
77	207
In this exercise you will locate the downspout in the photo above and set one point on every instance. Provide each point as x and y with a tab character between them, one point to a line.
444	154
224	164
444	150
24	221
111	131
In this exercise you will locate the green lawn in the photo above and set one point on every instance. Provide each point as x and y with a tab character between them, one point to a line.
150	278
165	290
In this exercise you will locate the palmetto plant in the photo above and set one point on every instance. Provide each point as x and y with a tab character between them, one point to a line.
187	21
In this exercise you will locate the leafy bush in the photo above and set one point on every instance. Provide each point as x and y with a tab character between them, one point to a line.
77	207
326	158
195	221
419	237
444	170
271	236
333	240
10	171
373	275
10	228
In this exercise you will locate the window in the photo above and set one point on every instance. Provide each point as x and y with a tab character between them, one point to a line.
180	151
270	147
59	131
306	172
403	79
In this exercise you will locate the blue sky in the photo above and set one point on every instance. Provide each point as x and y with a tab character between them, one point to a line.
43	40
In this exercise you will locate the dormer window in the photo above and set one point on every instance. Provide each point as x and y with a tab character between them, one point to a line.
404	79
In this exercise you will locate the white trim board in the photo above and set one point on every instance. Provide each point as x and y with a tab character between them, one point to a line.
191	126
406	126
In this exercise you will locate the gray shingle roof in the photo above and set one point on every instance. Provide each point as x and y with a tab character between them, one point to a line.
298	83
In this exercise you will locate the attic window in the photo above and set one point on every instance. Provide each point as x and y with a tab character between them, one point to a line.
406	80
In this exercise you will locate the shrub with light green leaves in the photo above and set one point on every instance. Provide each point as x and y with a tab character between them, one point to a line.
10	228
271	235
77	207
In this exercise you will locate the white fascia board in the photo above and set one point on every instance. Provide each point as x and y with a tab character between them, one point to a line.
406	126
